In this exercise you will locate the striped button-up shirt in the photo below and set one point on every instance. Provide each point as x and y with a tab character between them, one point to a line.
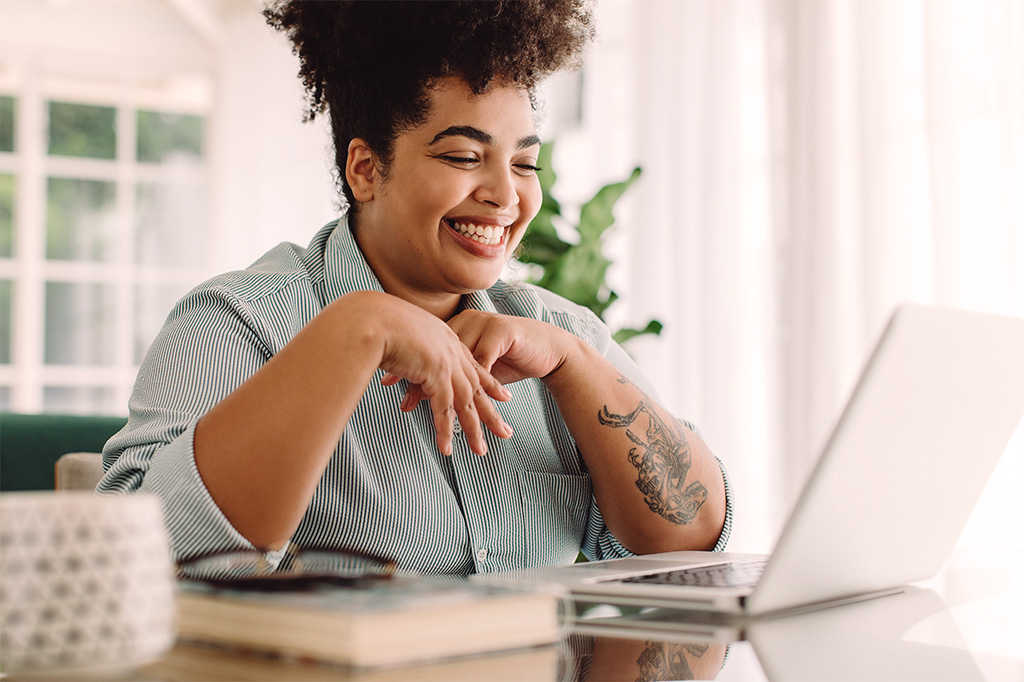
386	491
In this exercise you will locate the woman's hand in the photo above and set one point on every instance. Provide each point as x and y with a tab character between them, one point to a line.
439	367
508	348
513	348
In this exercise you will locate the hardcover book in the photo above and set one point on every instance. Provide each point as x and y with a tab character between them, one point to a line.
367	623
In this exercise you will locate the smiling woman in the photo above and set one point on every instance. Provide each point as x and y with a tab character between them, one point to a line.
382	390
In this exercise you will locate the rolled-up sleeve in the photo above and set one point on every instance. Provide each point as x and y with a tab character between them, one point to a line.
210	344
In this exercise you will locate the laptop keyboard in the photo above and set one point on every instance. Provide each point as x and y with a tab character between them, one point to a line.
732	574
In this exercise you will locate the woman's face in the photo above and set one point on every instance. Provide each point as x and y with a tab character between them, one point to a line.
459	193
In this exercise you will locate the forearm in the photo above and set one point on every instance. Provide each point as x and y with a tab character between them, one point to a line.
262	450
657	484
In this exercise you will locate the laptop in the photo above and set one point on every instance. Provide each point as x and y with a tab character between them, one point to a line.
934	408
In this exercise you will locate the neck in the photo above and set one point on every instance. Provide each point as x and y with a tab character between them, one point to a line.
442	306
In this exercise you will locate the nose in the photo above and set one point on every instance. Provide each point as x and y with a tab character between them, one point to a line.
497	188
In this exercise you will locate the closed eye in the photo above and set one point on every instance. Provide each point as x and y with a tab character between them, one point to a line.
459	160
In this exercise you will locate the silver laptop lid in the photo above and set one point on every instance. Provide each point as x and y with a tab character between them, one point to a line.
932	413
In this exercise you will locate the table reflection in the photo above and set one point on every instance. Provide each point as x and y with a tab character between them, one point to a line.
612	658
863	641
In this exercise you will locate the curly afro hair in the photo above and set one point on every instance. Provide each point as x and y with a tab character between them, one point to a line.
371	63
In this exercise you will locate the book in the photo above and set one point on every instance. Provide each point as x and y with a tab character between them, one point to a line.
212	663
368	623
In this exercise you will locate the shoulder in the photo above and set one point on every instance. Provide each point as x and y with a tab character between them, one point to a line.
279	271
271	299
275	270
528	300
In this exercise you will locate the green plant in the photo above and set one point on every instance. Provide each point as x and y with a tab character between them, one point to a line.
577	270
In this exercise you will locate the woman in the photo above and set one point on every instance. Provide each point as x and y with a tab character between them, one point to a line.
382	391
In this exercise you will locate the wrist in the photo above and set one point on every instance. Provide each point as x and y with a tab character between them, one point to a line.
360	318
575	354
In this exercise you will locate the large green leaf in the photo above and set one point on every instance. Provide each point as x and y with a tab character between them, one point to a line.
580	275
596	215
626	333
576	271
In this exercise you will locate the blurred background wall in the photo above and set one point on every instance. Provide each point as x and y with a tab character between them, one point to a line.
807	166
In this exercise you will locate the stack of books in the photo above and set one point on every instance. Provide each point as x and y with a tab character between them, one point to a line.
368	623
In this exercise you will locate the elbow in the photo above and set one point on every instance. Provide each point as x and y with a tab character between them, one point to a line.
698	530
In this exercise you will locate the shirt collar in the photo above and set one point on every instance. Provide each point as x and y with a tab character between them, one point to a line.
345	269
477	300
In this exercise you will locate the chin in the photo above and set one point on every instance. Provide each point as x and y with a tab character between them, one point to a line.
466	285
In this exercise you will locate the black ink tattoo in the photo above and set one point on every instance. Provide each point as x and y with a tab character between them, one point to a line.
667	661
662	456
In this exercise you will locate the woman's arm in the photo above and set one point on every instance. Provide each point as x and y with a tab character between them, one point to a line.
262	450
658	486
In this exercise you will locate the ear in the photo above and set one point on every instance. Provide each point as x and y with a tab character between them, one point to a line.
360	170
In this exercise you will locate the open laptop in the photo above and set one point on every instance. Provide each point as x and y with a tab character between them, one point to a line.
932	413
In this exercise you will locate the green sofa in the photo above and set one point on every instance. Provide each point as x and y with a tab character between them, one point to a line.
30	445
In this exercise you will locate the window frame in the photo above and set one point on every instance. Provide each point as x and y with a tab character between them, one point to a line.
28	376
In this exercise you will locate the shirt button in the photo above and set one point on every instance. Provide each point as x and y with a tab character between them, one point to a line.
481	554
457	427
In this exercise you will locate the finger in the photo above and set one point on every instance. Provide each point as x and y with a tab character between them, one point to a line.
492	343
444	414
390	379
413	395
470	336
468	329
485	387
465	407
491	385
489	415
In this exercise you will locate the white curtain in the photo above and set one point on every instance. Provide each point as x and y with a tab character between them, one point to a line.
808	165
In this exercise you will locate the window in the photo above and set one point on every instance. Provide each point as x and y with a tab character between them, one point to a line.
103	213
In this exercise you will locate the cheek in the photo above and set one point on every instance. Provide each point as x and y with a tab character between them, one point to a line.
530	199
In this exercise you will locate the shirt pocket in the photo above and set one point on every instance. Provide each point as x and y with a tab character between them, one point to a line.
555	510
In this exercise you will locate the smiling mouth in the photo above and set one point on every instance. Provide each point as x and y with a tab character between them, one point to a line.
488	235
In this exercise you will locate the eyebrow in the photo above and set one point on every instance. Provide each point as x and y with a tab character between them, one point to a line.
480	136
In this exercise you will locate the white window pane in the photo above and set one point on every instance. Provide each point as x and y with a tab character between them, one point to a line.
79	324
7	124
81	222
163	137
170	224
82	130
7	194
6	298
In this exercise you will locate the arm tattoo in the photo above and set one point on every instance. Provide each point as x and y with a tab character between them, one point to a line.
667	661
662	456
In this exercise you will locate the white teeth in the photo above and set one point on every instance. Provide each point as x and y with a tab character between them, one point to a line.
490	235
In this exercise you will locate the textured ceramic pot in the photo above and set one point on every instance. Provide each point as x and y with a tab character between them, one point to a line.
86	582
